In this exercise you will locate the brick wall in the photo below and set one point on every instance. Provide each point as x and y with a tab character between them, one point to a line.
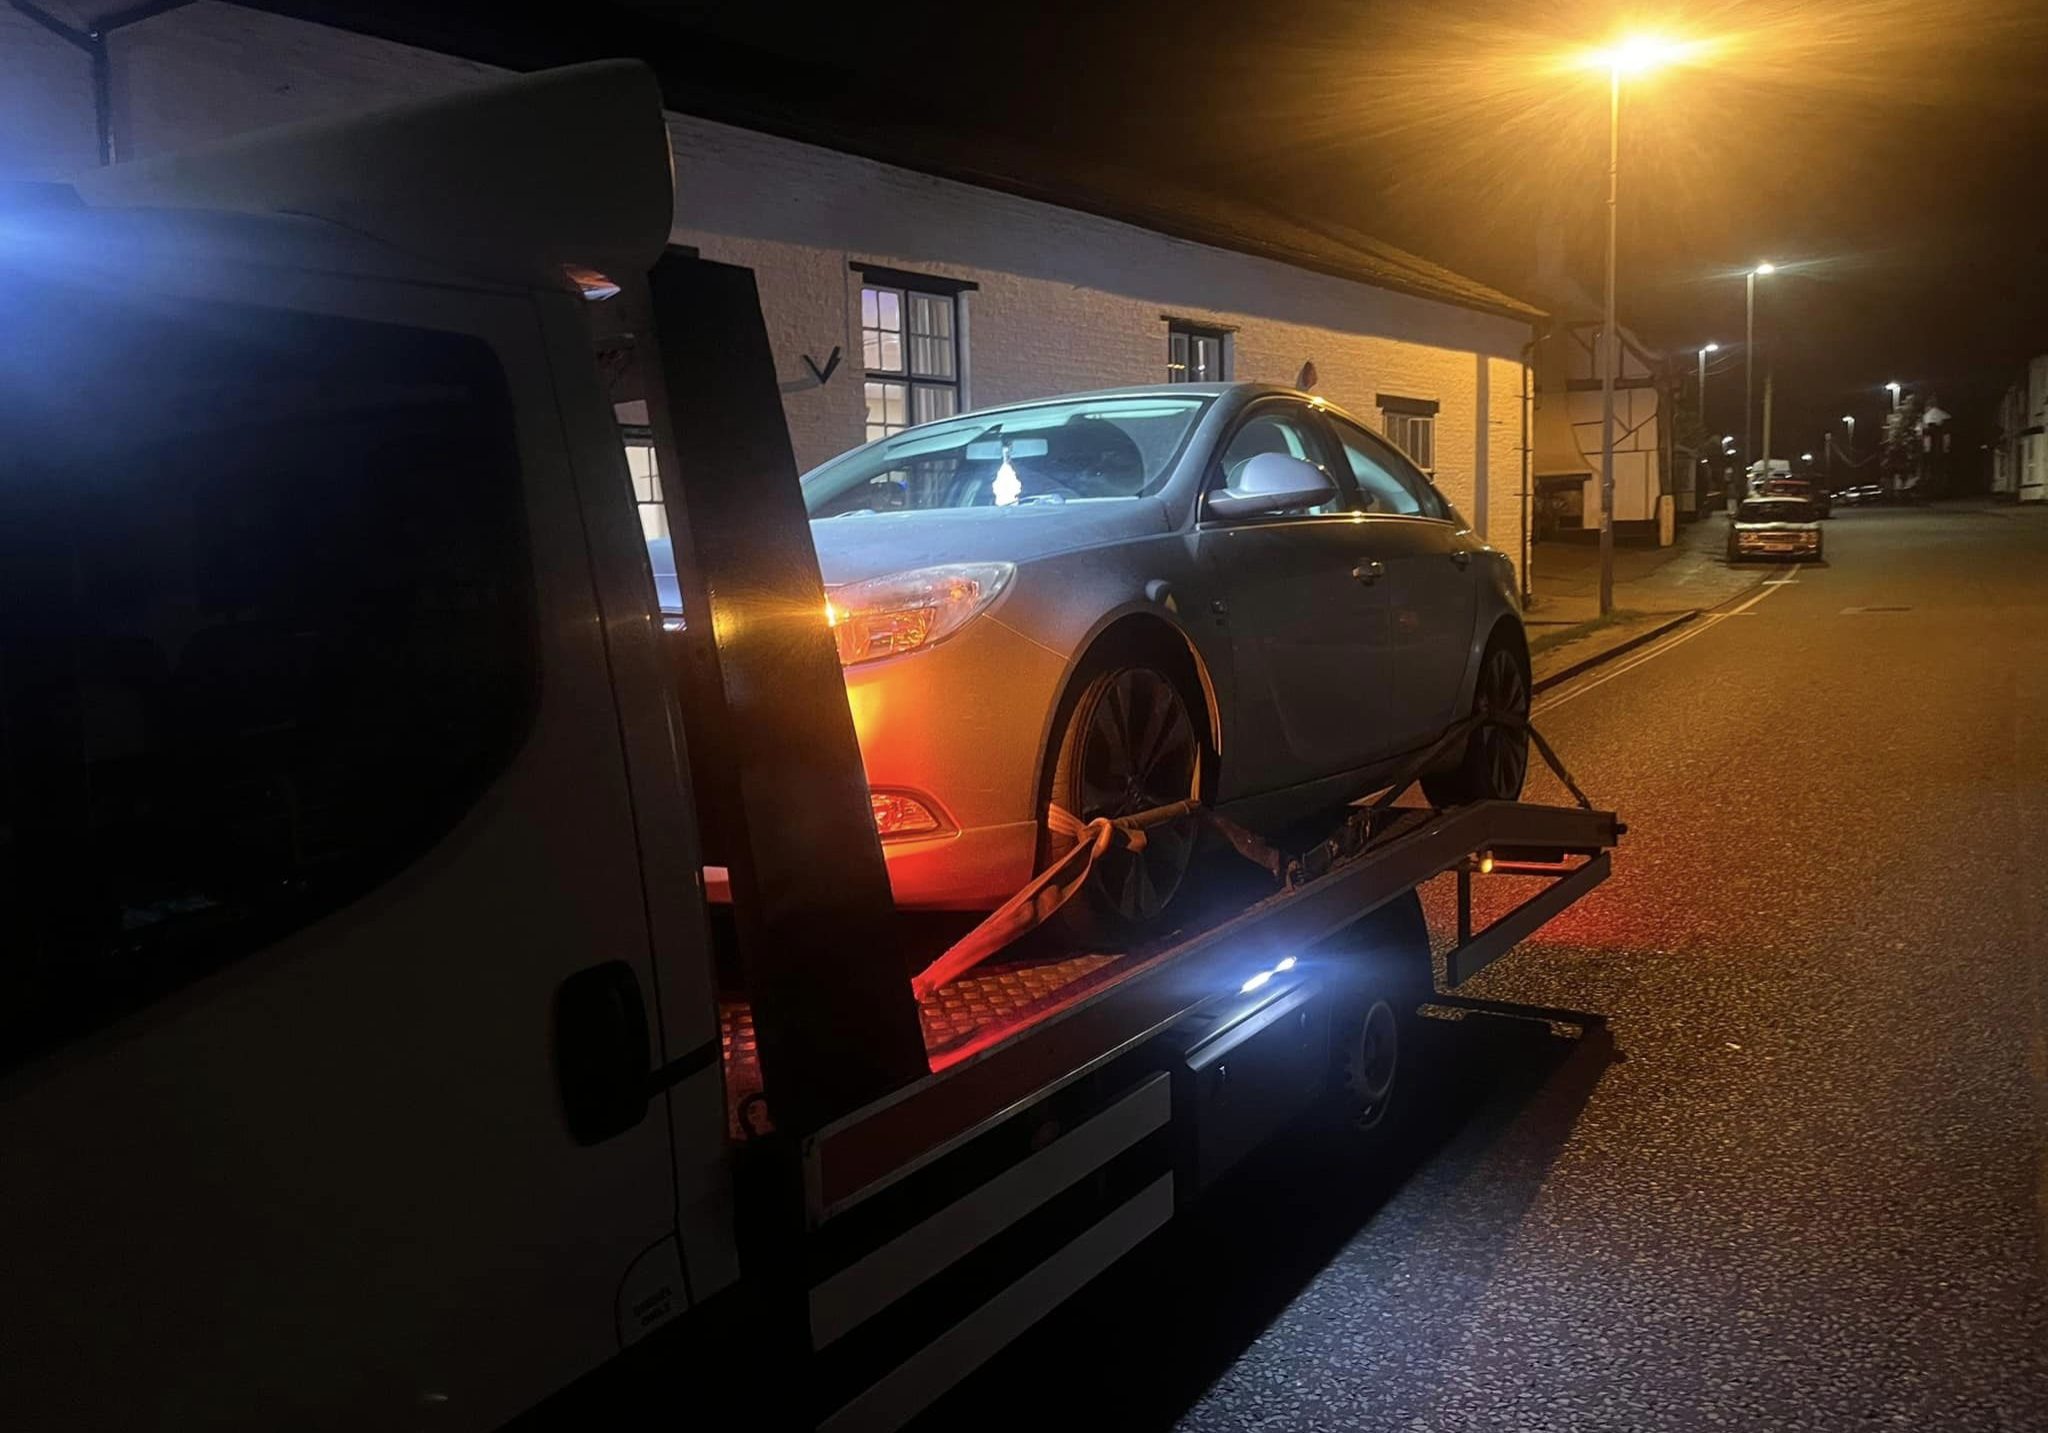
1064	300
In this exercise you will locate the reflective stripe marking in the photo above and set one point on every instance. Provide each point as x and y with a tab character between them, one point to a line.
878	1279
918	1381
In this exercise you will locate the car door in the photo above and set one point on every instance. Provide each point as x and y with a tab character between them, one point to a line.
314	804
1305	618
1430	587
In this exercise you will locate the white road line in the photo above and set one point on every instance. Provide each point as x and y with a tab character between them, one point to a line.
1684	634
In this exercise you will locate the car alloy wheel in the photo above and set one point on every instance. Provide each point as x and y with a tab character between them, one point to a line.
1504	750
1138	750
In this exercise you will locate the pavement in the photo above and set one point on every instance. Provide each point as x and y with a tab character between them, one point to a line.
1796	1177
1654	587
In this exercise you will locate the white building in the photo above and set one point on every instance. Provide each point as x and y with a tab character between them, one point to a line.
892	294
2019	454
1569	421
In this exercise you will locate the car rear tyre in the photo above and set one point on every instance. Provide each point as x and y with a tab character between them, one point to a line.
1130	743
1496	759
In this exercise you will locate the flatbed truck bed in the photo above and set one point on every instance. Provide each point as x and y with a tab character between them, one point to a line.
1143	1075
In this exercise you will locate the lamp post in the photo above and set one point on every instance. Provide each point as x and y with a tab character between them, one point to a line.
1749	374
1632	56
1894	390
1704	350
1850	419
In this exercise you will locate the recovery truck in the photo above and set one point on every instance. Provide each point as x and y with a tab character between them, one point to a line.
367	1058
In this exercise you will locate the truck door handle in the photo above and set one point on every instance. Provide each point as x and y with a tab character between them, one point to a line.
1462	557
1369	571
603	1057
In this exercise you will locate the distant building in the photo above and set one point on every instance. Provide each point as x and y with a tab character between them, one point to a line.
1568	441
2019	451
1919	450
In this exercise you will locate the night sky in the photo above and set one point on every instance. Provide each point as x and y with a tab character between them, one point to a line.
1885	154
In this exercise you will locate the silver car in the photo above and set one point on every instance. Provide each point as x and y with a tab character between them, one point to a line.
1774	526
1110	602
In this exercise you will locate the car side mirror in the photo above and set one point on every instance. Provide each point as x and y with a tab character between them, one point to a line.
1272	483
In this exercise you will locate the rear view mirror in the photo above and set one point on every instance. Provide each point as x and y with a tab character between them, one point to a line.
1272	483
990	450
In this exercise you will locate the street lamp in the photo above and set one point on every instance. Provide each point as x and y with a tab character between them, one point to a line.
1749	372
1705	349
1850	419
1633	55
1895	395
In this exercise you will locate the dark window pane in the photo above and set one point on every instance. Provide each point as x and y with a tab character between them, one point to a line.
929	401
262	640
931	336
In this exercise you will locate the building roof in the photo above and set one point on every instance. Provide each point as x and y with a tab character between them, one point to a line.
717	79
1177	210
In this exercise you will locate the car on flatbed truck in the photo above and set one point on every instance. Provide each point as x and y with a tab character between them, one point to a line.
1012	594
365	1058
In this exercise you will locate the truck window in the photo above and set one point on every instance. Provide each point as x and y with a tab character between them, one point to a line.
266	631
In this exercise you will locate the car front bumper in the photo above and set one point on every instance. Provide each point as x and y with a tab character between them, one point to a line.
962	729
1777	545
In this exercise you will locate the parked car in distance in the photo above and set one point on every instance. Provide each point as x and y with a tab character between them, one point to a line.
1774	527
1783	487
1110	602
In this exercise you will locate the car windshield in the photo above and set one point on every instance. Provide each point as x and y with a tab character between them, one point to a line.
1044	454
1775	510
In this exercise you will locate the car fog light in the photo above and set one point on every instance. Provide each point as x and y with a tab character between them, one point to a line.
900	815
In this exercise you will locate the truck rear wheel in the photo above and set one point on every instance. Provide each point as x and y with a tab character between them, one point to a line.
1376	1028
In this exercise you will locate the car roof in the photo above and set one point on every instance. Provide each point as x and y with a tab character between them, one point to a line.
1239	393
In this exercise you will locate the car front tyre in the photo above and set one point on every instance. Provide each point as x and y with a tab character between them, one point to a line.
1129	743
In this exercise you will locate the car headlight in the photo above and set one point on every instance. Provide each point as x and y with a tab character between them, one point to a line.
909	611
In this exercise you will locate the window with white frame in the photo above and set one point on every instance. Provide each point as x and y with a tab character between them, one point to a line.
646	482
1195	353
910	349
1410	425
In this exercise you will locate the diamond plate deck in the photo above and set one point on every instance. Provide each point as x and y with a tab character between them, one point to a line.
969	1005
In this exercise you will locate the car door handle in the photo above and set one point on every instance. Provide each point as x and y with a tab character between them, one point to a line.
1369	571
1462	557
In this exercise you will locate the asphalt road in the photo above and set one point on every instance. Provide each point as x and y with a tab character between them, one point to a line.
1798	1182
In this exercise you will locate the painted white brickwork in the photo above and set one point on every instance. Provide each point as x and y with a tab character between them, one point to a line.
1064	300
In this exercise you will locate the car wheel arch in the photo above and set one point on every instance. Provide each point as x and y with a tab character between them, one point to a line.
1506	622
1137	630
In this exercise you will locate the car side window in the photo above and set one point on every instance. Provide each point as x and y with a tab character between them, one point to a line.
1387	482
1280	429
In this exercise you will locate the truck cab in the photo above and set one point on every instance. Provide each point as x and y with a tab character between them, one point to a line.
328	685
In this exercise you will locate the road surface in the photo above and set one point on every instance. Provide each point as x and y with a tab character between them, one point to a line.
1799	1183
